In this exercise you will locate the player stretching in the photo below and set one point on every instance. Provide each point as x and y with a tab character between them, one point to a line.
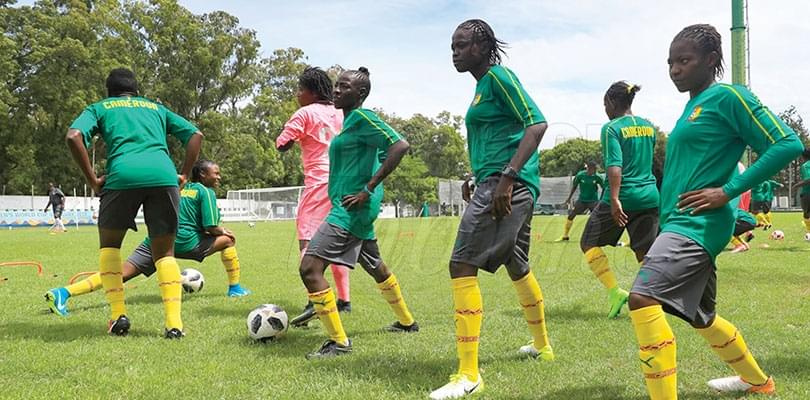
313	126
199	236
355	188
678	276
631	200
139	173
805	193
504	128
589	183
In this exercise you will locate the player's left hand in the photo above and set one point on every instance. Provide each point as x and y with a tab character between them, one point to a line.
351	201
502	197
182	180
704	199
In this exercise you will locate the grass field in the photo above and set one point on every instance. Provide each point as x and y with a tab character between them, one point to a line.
765	292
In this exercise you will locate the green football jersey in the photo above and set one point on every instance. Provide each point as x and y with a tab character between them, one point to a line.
764	191
355	155
702	152
628	142
496	122
588	186
198	211
134	130
805	175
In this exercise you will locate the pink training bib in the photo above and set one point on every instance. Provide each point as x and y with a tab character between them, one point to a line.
313	127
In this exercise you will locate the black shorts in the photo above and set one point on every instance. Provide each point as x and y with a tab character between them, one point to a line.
741	226
601	230
580	207
160	208
57	211
142	260
760	206
805	202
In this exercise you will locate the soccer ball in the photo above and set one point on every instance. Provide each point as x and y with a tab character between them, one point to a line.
192	280
777	235
807	236
267	322
251	224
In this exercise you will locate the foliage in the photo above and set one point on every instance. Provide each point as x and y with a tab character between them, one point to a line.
410	183
569	157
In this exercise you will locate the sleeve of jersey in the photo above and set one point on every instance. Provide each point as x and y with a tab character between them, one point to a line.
514	96
209	212
87	124
611	148
771	138
293	129
378	134
179	127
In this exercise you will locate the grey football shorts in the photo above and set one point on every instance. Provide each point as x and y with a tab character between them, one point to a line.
141	258
487	243
118	209
760	206
805	202
338	246
601	229
679	274
580	208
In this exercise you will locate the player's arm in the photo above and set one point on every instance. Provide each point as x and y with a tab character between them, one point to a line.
613	159
76	143
192	153
795	186
293	130
573	189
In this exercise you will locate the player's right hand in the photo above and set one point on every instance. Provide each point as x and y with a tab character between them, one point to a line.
98	184
466	191
617	213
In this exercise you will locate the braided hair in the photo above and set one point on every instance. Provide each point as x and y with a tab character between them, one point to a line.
361	76
318	82
482	34
622	94
202	165
707	40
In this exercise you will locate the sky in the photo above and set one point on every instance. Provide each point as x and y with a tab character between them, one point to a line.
566	53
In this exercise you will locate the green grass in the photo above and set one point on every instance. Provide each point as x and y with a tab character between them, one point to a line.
765	292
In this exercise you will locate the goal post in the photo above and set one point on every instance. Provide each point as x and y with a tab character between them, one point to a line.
263	204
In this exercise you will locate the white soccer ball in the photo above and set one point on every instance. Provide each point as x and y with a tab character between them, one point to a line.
807	236
192	280
777	235
251	224
267	322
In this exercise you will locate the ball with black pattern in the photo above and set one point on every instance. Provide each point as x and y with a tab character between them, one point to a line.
267	322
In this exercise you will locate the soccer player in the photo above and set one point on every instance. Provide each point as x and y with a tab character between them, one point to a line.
313	126
631	200
761	200
56	199
589	183
199	236
139	173
805	193
678	274
356	172
504	128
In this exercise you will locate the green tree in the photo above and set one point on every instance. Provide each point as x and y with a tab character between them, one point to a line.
569	157
410	184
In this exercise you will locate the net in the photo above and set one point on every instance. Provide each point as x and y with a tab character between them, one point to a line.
262	204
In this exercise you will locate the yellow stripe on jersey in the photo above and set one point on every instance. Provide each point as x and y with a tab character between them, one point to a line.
514	107
211	208
520	94
774	122
390	139
751	113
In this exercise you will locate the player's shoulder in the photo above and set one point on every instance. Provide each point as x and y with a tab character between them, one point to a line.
737	94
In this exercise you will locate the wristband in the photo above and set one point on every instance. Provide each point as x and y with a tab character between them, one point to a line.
366	189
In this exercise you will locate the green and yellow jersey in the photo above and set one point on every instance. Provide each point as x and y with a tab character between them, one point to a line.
588	186
198	211
702	152
134	130
764	191
628	142
805	175
496	122
355	155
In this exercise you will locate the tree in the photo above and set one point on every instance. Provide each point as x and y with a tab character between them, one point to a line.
569	157
410	184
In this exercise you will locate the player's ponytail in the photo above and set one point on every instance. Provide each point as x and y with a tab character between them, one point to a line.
622	93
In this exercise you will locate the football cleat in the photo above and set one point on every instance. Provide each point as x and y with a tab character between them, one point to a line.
617	299
329	349
119	327
459	386
237	291
737	384
173	333
545	354
398	327
344	306
57	301
303	319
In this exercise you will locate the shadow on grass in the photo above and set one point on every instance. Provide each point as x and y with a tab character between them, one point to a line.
614	392
63	331
795	366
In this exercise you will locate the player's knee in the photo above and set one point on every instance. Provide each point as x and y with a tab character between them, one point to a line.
636	301
584	246
461	270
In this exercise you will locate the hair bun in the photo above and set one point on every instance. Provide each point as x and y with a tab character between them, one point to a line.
363	70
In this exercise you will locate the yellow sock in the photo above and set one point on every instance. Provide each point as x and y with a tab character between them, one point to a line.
598	261
735	241
728	343
168	274
393	295
86	285
568	223
468	315
768	218
231	262
531	300
807	225
326	308
761	220
109	265
657	352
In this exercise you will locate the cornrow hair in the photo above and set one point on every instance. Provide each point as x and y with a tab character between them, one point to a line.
361	75
707	40
483	34
318	82
806	153
622	93
199	167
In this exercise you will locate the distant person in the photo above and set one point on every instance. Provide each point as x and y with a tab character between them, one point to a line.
804	195
139	173
761	200
313	126
56	199
589	183
199	236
